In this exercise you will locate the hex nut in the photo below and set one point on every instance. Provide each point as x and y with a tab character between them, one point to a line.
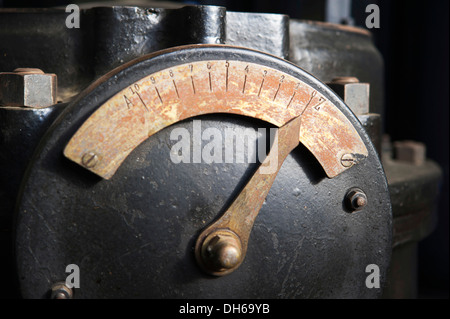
356	199
411	152
356	95
28	87
61	291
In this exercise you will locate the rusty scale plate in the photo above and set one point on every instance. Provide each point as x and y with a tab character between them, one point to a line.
158	100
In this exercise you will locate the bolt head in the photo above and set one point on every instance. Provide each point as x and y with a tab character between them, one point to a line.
61	291
28	87
411	152
355	94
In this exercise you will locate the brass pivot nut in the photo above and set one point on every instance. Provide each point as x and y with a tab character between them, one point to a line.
356	199
221	252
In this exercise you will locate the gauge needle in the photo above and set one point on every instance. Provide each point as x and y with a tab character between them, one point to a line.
222	246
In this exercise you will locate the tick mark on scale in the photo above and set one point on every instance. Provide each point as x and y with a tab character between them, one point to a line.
143	103
176	89
227	65
210	82
157	92
310	99
279	86
290	101
192	81
276	93
260	88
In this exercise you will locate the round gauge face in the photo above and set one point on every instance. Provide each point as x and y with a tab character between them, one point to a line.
205	171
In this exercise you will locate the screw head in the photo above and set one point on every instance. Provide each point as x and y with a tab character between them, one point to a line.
347	160
89	159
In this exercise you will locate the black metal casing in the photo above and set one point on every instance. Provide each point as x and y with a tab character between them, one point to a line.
133	235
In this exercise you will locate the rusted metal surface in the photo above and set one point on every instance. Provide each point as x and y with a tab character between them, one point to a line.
326	132
241	215
221	86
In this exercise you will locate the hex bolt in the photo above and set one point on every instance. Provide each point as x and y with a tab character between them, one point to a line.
89	159
28	87
356	199
347	160
61	291
411	152
355	94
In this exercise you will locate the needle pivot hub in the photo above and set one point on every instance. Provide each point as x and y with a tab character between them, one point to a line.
221	252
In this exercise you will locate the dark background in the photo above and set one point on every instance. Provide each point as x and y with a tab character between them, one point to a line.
413	39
